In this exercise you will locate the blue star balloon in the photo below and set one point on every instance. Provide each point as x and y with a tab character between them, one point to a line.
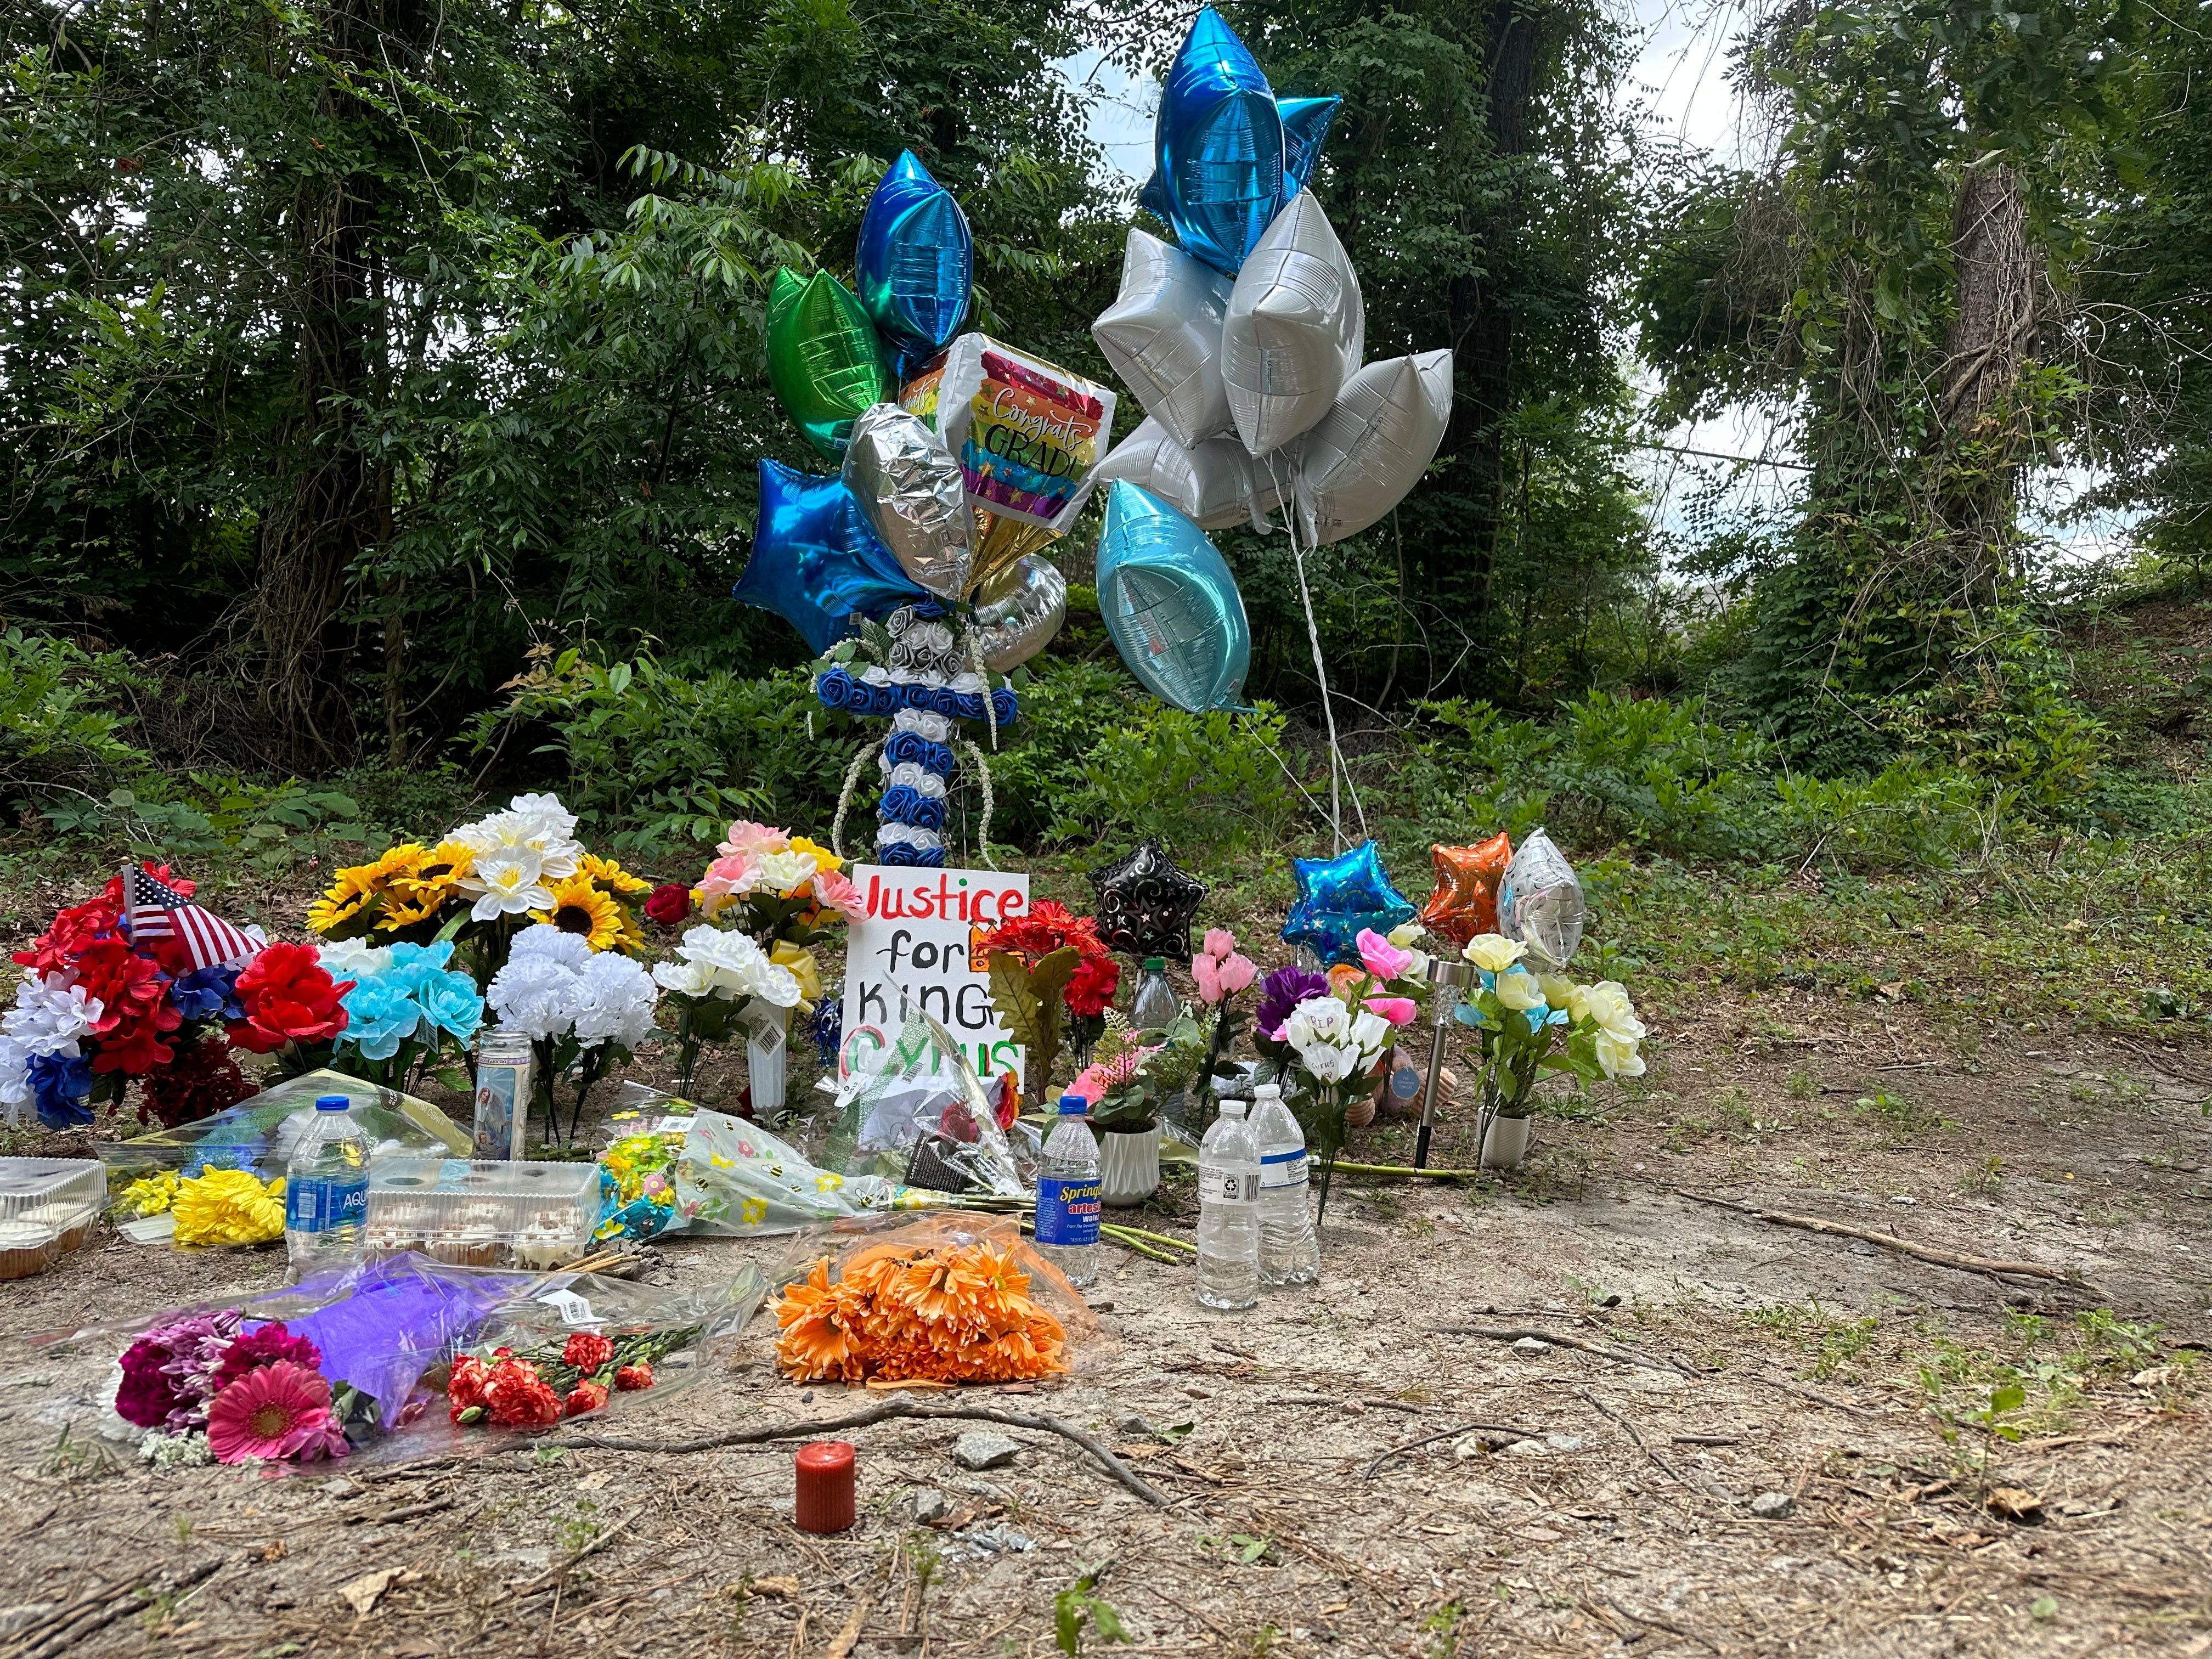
1153	198
1170	604
916	262
1341	896
1219	144
814	562
1305	129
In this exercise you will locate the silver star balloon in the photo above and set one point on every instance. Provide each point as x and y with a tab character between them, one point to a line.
1373	445
910	490
1295	331
1163	335
1215	484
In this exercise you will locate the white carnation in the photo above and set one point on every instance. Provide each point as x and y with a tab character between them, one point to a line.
617	1004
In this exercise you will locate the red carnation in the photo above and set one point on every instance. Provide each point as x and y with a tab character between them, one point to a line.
289	997
1091	987
72	930
465	1391
519	1397
587	1351
586	1397
669	905
630	1378
267	1345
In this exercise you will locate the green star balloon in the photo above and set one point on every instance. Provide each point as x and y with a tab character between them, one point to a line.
824	359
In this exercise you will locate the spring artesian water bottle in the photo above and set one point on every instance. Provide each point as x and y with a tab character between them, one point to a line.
1290	1250
327	1190
1068	1194
1229	1212
1155	1007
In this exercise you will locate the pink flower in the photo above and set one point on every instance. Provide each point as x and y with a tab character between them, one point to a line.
834	891
1382	959
1399	1010
1219	942
727	877
1237	971
746	837
279	1411
1207	972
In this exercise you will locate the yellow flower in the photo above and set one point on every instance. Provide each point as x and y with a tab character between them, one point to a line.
822	857
229	1207
827	1182
1559	990
752	1210
611	876
580	908
803	967
1521	990
1493	953
630	939
350	891
422	892
152	1194
1405	933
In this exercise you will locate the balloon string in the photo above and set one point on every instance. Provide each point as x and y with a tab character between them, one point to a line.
1339	773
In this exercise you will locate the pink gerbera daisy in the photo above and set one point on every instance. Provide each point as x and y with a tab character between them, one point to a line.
279	1411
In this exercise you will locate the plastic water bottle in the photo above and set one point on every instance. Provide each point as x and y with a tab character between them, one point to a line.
1068	1194
1290	1250
1229	1212
327	1190
1156	1005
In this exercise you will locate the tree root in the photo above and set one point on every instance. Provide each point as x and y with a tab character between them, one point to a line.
1942	1258
879	1413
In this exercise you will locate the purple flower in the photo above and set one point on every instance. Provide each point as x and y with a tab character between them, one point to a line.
208	994
1282	991
196	1347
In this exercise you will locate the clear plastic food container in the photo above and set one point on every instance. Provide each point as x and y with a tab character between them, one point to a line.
47	1210
483	1214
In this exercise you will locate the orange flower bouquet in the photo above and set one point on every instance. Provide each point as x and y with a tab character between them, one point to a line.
910	1312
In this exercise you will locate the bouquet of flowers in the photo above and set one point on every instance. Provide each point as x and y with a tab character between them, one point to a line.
407	1011
641	1169
213	1390
952	1313
541	1385
1328	1034
1535	1022
485	882
1222	972
778	887
716	975
1048	964
99	1006
579	1008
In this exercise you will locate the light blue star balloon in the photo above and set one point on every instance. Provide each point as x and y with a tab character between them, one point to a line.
1338	898
1170	604
814	562
1305	129
1219	141
916	262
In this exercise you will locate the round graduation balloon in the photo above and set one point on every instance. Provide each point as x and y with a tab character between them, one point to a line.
916	261
1214	484
1218	141
1163	335
1295	330
814	562
822	357
910	490
1028	433
1170	604
1018	611
1373	445
1305	129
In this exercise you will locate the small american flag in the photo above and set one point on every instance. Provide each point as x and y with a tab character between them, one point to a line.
160	911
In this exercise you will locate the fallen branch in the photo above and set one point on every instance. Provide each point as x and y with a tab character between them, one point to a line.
1820	1399
1449	1434
1711	1488
1658	1623
880	1414
1605	1350
100	1610
1402	1171
1942	1258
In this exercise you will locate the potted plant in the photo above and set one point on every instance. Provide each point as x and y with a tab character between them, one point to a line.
1127	1086
1534	1023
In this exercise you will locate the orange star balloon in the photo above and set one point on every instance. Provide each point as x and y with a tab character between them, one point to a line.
1465	902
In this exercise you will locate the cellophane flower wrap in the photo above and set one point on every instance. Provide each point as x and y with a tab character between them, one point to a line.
1532	1021
914	1114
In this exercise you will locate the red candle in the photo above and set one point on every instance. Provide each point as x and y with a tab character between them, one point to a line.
824	1501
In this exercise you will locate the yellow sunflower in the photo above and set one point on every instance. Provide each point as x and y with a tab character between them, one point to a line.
422	892
631	940
352	891
824	857
611	876
580	908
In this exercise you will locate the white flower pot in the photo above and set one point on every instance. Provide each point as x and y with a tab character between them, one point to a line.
1505	1144
1128	1168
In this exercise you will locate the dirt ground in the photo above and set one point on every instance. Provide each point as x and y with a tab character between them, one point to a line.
1343	1476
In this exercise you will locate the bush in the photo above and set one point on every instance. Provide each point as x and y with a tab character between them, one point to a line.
62	715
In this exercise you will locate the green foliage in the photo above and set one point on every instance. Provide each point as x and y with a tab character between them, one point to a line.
62	718
270	826
1081	1607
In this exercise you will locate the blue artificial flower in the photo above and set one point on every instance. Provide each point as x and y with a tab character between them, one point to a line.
208	994
412	965
61	1084
380	1017
451	1002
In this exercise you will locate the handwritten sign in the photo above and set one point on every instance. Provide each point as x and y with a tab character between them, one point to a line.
920	946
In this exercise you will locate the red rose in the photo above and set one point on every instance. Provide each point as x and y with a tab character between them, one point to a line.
669	905
585	1397
587	1351
630	1378
289	997
465	1392
519	1397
